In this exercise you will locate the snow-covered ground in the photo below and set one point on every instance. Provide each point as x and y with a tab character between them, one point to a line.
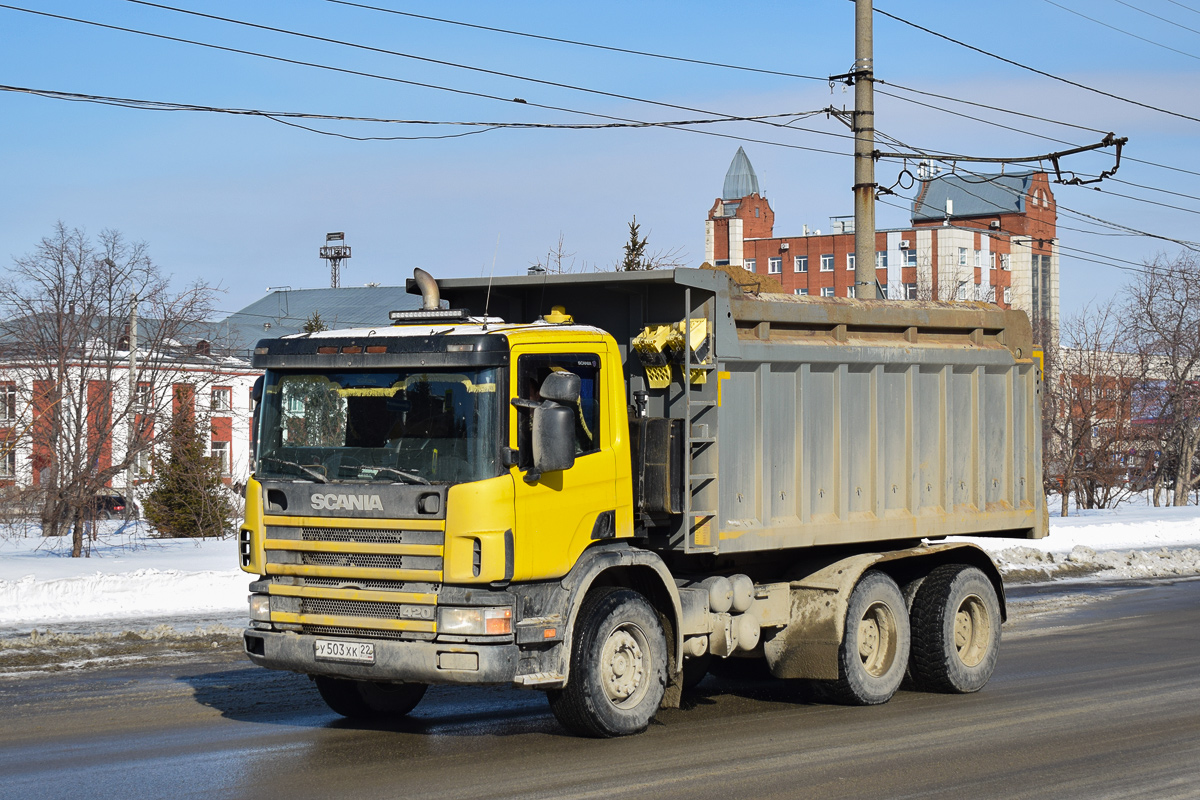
131	576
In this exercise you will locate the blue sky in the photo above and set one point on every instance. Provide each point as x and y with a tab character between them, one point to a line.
245	202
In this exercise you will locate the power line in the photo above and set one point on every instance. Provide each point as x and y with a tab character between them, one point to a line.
1098	258
393	79
1181	5
1156	16
1037	117
1036	71
1155	189
1122	30
577	43
1021	114
441	62
160	105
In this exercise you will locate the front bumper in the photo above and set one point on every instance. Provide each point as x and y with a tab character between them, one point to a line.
406	661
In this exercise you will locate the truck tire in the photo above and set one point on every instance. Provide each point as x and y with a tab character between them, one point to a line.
618	667
956	630
874	652
367	700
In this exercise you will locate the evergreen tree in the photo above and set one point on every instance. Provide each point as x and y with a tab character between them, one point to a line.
635	250
314	323
188	497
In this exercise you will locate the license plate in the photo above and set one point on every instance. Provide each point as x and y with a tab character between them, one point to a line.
353	652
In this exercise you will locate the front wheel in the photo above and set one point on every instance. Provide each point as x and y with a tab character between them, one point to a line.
875	644
956	628
618	667
367	700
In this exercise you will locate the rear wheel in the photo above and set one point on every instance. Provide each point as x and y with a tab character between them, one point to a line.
874	652
369	700
618	667
956	630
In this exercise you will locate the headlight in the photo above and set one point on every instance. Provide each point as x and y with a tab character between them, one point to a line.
260	607
480	621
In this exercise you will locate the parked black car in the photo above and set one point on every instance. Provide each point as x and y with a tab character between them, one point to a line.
111	506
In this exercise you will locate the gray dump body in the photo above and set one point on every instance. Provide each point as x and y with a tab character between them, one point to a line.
819	421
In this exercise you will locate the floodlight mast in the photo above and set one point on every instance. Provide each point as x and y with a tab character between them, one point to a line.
334	253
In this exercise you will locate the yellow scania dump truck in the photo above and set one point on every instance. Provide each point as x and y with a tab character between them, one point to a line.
593	485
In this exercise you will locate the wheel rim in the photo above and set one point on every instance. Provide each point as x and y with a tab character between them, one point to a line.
972	630
624	665
877	639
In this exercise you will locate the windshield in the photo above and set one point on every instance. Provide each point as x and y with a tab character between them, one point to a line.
404	426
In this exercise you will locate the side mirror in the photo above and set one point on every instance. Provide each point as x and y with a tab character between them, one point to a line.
553	437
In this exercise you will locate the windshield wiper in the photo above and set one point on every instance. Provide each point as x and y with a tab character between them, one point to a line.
407	477
306	471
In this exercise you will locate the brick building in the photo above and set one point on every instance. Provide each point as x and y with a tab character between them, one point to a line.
94	415
990	238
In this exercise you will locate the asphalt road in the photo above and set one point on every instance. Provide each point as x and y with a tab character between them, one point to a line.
1097	695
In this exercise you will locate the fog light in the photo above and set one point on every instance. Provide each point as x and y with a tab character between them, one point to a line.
260	607
481	621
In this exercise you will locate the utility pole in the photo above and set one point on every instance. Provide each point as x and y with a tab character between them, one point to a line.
864	152
133	408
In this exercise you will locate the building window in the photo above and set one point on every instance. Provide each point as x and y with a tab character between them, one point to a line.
979	258
801	263
141	462
850	261
826	291
802	292
774	265
222	398
1004	295
1005	261
851	291
910	257
881	259
220	452
749	264
962	256
827	262
961	292
8	401
143	398
8	462
910	291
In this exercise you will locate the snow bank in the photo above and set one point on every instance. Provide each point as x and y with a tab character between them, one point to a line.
1127	542
130	575
127	575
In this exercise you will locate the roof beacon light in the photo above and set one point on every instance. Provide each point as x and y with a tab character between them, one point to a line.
559	316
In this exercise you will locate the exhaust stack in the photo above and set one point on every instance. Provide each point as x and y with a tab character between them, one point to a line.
431	298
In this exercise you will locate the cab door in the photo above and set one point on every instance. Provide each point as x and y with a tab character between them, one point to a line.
557	513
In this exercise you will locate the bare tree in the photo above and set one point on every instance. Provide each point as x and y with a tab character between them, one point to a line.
1087	409
558	261
1162	311
65	324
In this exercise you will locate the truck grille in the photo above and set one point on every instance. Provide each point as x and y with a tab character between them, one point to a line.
377	582
366	608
